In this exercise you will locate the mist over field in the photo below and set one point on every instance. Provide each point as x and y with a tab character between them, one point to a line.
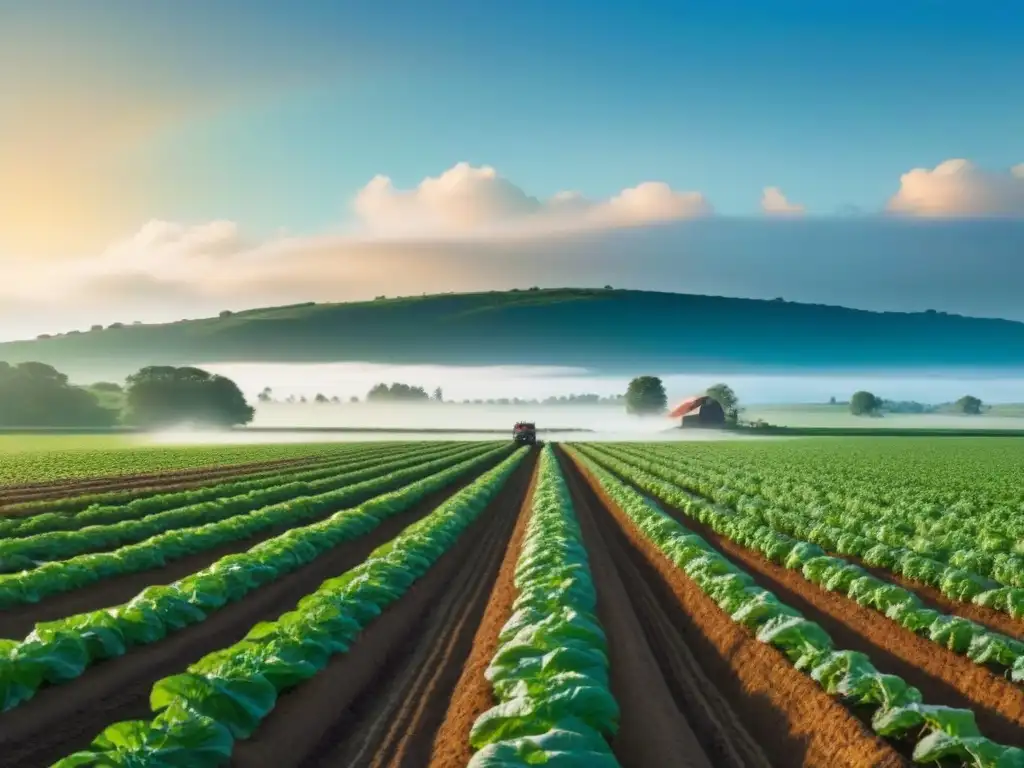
346	380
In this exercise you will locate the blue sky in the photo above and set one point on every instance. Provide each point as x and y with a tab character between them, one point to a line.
273	116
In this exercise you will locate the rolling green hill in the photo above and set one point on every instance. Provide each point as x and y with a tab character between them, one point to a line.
605	330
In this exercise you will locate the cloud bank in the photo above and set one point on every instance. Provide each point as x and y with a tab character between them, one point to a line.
958	188
774	203
471	229
475	201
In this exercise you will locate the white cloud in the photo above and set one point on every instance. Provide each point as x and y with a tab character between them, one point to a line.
958	188
467	229
774	203
474	201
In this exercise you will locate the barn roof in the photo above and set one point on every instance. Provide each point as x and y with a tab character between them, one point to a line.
688	405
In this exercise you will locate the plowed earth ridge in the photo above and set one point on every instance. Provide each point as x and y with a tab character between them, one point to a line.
749	686
19	621
383	702
155	483
65	718
943	676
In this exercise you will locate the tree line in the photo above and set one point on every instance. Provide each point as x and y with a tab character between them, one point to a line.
34	395
399	392
864	403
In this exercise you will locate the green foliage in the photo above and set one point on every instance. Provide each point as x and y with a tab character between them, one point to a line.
227	520
898	711
37	395
112	506
550	670
724	395
51	458
155	612
865	404
230	691
164	396
646	395
49	537
968	404
593	328
396	393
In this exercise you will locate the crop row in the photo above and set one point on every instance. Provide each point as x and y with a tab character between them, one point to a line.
851	535
965	532
980	644
897	708
76	572
25	553
225	695
42	520
51	462
59	512
550	671
59	651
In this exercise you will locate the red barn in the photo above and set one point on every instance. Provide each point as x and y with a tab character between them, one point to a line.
699	411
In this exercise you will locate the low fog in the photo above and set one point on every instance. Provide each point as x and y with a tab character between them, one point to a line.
778	399
346	380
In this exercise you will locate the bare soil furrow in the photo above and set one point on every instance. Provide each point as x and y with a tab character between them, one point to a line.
793	721
156	483
18	622
65	718
403	667
944	677
473	694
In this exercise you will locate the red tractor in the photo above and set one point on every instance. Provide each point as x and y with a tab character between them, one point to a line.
524	433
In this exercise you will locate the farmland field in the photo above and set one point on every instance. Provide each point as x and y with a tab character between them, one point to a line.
819	602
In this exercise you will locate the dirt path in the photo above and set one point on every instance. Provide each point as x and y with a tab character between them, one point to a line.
944	677
785	713
473	694
382	703
65	718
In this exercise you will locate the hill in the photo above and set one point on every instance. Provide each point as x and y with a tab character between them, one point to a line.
604	330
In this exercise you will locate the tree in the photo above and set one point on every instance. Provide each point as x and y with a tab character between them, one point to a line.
107	386
832	400
724	395
438	395
321	398
864	404
969	404
397	392
38	395
163	396
354	399
646	395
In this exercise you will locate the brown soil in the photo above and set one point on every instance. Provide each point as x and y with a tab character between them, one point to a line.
473	694
382	703
18	622
997	621
944	677
656	727
65	718
793	721
62	489
131	487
